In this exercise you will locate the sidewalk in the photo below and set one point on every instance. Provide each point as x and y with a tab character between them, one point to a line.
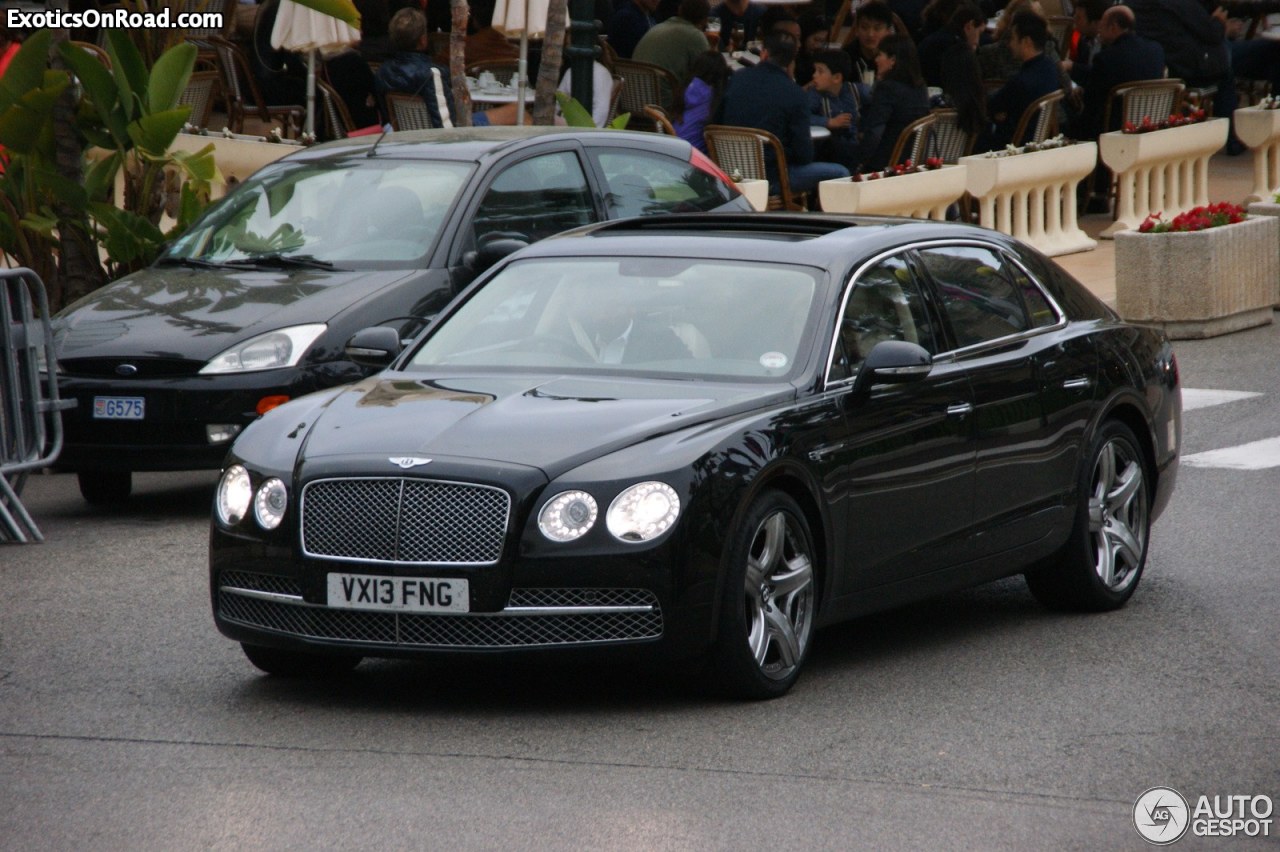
1230	179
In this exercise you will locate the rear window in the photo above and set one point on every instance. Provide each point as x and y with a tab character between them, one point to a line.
642	183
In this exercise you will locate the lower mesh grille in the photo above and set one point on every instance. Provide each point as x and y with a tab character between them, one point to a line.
478	630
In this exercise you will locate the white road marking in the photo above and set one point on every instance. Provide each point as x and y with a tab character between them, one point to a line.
1193	398
1256	455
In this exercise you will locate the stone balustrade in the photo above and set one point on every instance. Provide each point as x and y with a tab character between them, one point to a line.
920	195
1260	130
1032	196
1161	171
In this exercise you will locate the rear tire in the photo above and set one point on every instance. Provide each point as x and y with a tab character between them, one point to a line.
1099	568
105	487
770	601
282	663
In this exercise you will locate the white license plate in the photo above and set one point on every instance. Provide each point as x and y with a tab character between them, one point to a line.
119	407
398	594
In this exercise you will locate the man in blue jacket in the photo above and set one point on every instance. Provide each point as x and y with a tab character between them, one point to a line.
411	71
765	97
1037	77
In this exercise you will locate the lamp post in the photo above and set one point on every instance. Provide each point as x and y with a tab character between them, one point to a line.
582	50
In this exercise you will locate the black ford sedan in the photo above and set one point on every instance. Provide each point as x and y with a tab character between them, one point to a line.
704	436
253	305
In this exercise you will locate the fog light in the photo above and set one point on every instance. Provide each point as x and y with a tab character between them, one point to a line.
269	402
220	433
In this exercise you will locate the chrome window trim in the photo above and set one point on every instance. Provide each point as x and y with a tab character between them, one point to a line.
302	514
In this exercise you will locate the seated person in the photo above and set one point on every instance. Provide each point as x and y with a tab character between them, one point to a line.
610	327
833	104
1037	77
410	70
899	98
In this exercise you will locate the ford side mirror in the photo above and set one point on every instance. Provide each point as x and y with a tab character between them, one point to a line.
373	347
893	362
491	251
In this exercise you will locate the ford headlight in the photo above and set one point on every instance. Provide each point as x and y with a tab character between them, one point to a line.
643	512
235	492
269	503
568	516
282	348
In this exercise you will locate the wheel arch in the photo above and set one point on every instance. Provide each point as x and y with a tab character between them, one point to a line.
1126	411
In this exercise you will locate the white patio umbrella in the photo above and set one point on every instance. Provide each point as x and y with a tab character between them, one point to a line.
529	19
305	30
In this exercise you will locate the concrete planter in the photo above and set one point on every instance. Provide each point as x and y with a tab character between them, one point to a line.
922	195
1032	196
756	192
1260	130
1200	283
1267	208
1163	171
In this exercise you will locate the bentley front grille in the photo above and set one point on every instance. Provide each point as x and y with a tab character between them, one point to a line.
532	617
409	521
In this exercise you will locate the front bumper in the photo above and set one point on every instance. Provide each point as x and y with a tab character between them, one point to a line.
173	435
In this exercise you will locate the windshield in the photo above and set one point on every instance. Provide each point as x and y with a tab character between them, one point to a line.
362	212
712	319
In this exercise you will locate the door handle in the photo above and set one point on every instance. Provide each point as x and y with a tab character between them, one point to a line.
1079	383
960	409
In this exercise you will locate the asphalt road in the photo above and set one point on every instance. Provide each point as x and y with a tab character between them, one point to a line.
975	721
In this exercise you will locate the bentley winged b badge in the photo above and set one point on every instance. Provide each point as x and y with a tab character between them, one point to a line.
406	462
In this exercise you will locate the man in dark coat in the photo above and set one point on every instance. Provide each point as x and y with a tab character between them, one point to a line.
1037	77
765	97
1124	58
1195	44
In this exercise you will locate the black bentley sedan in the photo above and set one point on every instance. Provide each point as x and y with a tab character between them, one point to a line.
704	436
253	305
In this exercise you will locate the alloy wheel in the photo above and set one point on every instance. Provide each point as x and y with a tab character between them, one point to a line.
779	596
1118	515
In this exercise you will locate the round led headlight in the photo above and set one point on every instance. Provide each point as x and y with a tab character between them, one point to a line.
568	516
269	503
643	512
235	493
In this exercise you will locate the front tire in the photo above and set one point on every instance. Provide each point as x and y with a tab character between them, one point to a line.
770	601
300	664
105	487
1100	566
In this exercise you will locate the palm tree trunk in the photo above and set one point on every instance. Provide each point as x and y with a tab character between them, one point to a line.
458	61
544	102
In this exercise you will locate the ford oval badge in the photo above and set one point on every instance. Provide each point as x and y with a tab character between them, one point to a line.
126	370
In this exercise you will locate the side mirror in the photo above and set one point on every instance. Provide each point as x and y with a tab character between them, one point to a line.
373	347
493	250
893	362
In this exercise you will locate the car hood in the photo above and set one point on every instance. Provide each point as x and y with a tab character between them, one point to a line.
171	312
553	423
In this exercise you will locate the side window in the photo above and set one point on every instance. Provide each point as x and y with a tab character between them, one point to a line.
536	198
1041	312
641	184
884	303
977	294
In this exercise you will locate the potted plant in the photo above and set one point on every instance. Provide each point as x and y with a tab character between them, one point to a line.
923	191
1208	271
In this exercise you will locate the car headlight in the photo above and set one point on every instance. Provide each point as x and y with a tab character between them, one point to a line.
568	516
269	503
235	493
281	348
643	512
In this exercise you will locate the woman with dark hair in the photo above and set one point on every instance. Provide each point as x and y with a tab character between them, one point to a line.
693	107
958	73
815	32
898	98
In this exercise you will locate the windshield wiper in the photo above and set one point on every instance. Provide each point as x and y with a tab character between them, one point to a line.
192	262
283	261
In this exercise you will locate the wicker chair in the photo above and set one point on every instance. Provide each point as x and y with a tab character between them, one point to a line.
1039	120
1154	99
408	112
741	150
243	96
200	93
662	121
337	118
644	84
947	141
913	141
1061	28
615	99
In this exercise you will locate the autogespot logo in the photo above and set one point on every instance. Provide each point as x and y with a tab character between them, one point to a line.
1161	815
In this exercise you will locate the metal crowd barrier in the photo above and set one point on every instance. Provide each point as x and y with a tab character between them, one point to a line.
30	411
